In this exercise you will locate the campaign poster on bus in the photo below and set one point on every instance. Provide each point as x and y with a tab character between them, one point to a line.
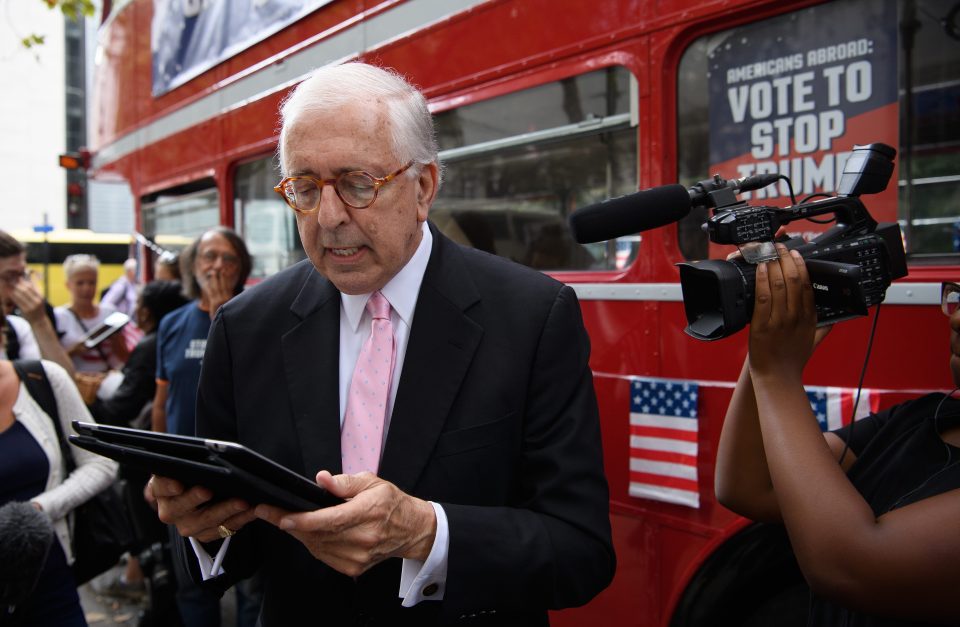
797	105
189	37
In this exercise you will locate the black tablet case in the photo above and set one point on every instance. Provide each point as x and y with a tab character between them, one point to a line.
227	469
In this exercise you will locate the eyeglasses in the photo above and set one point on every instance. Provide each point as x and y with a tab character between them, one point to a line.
949	297
356	189
211	256
14	276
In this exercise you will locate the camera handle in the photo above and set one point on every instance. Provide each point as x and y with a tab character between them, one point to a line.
853	219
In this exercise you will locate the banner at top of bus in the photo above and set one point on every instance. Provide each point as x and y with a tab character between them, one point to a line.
190	37
793	94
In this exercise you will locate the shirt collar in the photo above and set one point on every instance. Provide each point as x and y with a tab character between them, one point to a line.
402	290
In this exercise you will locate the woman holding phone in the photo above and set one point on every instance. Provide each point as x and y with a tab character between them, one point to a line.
82	315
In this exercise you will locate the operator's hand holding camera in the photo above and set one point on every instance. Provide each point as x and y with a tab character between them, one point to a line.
784	319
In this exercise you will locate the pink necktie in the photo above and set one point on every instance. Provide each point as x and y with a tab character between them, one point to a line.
367	399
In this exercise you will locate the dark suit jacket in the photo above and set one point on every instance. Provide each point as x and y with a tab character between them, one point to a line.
495	419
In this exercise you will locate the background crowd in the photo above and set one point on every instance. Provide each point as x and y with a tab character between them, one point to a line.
117	381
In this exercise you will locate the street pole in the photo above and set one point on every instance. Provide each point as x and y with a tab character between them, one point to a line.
45	228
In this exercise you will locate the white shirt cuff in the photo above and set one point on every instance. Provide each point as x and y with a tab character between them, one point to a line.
425	581
210	568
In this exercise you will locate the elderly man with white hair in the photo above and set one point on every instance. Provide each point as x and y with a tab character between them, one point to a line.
443	393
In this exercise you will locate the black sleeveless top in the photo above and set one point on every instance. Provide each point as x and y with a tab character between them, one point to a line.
901	459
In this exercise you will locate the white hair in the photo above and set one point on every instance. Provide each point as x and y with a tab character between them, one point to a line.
78	263
349	84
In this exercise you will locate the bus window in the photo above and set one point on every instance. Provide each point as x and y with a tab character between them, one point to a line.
188	210
516	166
267	225
179	215
793	94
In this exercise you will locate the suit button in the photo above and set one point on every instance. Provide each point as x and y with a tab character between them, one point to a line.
430	590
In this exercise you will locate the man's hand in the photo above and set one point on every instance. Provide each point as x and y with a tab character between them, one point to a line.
148	495
32	307
28	299
218	289
193	514
377	522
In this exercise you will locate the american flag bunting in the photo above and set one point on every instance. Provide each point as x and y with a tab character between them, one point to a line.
663	441
833	406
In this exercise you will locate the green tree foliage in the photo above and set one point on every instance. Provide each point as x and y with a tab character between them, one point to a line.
74	9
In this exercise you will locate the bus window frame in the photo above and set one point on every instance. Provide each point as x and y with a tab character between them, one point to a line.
627	54
231	187
150	197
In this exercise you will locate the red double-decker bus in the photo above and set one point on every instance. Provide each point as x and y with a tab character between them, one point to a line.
544	106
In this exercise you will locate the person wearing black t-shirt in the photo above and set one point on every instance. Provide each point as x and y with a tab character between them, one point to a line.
875	535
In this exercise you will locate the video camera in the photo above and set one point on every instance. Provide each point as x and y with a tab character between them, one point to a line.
850	265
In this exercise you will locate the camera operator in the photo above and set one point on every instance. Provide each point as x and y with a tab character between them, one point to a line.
876	534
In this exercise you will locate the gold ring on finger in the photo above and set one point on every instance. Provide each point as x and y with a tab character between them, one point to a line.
224	531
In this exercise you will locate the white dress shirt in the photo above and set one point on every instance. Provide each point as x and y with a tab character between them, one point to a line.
355	325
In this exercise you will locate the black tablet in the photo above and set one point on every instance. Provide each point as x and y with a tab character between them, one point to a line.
227	469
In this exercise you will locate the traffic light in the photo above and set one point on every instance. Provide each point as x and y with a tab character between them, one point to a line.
76	163
75	160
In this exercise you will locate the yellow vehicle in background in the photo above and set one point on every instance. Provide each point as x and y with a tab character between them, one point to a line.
46	252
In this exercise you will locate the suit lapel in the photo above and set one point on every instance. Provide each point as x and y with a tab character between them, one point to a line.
312	369
441	346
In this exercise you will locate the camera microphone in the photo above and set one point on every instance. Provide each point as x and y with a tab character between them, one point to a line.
26	535
631	213
652	208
